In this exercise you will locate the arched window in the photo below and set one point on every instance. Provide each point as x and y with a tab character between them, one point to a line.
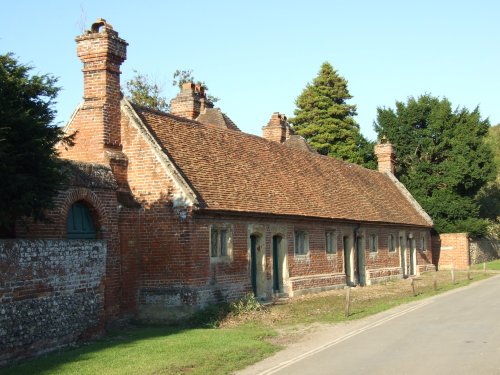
79	224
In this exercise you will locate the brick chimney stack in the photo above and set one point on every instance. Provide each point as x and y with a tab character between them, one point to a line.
277	129
102	52
385	156
190	102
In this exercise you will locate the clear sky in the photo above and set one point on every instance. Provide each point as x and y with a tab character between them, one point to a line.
257	56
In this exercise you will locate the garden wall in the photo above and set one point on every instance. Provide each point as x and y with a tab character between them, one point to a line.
51	294
484	250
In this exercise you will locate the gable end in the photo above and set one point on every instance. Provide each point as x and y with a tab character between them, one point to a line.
187	196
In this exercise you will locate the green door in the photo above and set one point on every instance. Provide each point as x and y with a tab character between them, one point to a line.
360	258
276	266
253	263
79	224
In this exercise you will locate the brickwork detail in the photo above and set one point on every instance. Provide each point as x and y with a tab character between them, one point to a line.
190	102
451	250
98	118
277	129
51	294
385	157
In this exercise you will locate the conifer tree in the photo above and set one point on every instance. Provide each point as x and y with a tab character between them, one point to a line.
326	120
30	173
442	159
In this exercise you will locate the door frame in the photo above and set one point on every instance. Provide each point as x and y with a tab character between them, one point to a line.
413	255
347	246
402	253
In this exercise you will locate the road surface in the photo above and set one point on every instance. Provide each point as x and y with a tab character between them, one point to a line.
454	333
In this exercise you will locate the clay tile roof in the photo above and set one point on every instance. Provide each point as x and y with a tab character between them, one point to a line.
234	171
214	116
299	143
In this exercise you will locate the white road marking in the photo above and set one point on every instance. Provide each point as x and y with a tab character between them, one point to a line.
338	340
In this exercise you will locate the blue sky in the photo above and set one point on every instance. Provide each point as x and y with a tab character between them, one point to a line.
257	56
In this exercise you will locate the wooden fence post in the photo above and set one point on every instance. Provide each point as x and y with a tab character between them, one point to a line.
413	286
348	302
484	267
434	281
452	274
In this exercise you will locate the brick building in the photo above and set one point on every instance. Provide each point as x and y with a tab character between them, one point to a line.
197	211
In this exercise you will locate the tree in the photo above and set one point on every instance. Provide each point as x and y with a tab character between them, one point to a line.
147	93
143	90
30	173
489	195
324	118
442	159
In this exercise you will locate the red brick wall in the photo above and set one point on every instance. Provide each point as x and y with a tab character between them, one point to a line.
451	249
385	157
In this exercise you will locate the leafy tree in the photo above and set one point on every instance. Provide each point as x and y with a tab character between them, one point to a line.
324	118
143	90
147	93
30	173
442	159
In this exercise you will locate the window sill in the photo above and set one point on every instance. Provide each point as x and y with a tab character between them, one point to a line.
301	257
223	259
331	256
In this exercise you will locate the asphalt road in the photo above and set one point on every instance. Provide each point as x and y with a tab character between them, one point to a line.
454	333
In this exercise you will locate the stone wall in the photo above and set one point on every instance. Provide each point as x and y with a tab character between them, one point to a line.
484	250
51	294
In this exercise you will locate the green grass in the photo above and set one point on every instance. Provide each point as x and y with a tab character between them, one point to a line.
159	350
244	336
330	307
493	265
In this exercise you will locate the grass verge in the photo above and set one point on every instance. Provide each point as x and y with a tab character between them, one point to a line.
240	334
491	266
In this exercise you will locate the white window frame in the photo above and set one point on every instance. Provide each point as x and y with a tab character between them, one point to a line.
221	242
373	243
331	242
304	249
423	242
391	239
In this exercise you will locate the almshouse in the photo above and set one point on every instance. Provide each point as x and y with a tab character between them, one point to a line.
196	211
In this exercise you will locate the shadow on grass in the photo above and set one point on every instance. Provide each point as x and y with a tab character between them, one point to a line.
50	362
119	338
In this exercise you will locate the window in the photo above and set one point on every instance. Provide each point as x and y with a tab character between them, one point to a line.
423	245
373	243
79	223
391	243
301	243
220	241
331	242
